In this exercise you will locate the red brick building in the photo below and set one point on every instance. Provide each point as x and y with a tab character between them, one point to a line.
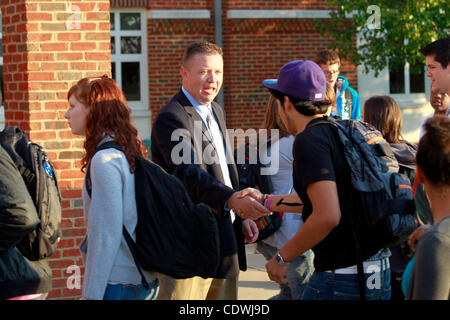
49	44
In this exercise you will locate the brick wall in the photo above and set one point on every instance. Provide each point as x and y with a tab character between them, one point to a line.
275	4
254	52
180	4
43	57
167	40
129	3
254	49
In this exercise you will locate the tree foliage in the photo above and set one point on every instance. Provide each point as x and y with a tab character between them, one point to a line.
391	32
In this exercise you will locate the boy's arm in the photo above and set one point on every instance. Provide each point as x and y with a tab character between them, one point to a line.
325	217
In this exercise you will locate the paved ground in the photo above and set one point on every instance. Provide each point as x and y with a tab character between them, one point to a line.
254	284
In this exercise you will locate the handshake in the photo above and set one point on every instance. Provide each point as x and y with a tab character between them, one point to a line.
248	204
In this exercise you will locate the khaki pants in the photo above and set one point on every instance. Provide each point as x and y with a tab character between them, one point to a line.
196	288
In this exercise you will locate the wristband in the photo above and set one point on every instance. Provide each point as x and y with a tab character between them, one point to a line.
280	260
269	201
266	196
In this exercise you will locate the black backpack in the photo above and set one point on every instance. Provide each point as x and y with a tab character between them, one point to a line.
250	176
174	236
382	209
39	175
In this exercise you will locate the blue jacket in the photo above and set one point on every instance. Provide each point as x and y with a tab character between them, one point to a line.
356	104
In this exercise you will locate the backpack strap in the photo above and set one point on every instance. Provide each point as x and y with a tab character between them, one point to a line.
415	185
26	173
103	146
131	244
325	120
359	259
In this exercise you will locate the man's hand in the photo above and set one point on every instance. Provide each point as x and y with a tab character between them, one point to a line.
245	206
254	193
276	272
250	230
415	236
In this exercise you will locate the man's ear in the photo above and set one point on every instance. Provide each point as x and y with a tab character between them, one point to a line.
287	104
183	72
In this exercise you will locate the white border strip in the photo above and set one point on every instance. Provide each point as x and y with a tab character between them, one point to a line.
178	14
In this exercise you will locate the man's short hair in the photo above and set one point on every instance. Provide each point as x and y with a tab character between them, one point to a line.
202	47
327	57
305	107
440	50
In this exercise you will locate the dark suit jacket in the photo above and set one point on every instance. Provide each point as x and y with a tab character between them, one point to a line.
204	182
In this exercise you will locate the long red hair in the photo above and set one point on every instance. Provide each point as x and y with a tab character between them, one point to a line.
108	114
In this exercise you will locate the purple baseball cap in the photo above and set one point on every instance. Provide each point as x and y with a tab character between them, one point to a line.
300	79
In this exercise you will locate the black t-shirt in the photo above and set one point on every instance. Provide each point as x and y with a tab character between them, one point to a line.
319	156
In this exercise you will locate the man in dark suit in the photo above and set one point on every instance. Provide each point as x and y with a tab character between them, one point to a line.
189	140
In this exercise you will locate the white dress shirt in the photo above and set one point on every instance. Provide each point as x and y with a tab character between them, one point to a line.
205	112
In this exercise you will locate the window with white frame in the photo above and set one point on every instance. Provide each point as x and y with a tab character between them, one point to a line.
403	81
409	89
129	55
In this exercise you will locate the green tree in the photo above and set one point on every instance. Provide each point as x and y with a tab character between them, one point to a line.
391	32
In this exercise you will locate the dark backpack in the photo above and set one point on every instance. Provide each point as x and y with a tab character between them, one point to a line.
39	175
250	176
382	212
174	236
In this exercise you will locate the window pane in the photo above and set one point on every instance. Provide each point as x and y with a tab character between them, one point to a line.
130	45
113	45
397	80
130	21
131	81
417	80
112	21
113	70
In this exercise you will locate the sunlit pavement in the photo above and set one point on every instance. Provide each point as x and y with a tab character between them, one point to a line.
254	284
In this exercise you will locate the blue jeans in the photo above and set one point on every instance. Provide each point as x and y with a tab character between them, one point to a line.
131	292
298	273
333	286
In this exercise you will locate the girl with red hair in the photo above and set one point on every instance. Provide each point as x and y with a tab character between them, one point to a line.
98	111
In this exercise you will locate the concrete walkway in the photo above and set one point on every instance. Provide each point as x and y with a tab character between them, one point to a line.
254	284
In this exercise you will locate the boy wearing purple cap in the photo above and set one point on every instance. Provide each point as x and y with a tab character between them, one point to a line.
322	182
